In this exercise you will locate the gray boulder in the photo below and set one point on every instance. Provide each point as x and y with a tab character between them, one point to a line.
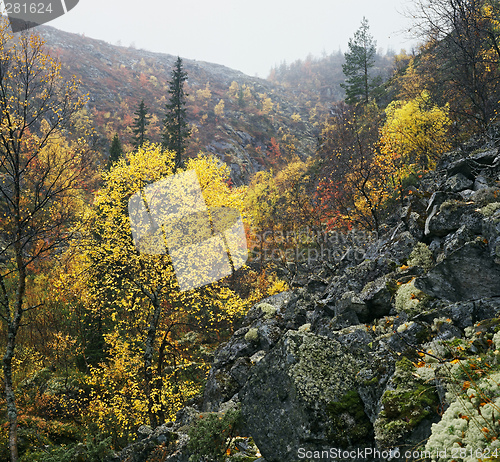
457	183
469	273
452	215
301	395
378	297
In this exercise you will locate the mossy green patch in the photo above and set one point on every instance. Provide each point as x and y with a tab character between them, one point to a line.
371	382
252	335
392	286
451	205
210	435
349	423
404	407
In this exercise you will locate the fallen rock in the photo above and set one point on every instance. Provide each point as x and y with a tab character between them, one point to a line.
469	273
301	395
451	216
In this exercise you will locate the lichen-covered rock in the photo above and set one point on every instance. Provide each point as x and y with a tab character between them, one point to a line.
263	327
453	214
461	431
421	256
409	299
391	252
490	209
408	407
301	396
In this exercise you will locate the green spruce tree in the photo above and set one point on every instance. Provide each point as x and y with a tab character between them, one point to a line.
115	151
176	129
140	124
359	60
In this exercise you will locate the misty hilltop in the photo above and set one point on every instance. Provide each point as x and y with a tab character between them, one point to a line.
252	114
233	116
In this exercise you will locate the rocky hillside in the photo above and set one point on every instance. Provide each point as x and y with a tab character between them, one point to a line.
398	353
239	131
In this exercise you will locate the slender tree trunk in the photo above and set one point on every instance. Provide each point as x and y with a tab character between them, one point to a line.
9	393
148	360
159	369
13	322
14	317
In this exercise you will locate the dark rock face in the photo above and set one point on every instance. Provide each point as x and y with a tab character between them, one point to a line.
233	360
468	273
450	216
457	183
377	296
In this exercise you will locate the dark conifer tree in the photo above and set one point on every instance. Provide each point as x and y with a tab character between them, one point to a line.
140	124
176	130
115	151
358	62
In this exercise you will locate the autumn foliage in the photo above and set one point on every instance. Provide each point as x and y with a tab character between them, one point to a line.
98	337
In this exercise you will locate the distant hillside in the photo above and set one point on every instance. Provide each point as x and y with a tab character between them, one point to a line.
319	79
255	111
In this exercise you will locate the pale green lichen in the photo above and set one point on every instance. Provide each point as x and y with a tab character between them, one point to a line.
468	425
469	332
485	196
319	373
305	328
421	256
489	209
404	326
268	310
496	340
439	322
409	299
252	335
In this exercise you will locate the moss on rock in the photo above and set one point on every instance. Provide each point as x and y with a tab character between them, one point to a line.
411	401
349	423
252	335
268	310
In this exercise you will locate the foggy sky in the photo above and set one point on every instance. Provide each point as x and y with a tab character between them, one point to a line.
250	36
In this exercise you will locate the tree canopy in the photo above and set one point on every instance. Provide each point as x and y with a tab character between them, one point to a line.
42	176
359	61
